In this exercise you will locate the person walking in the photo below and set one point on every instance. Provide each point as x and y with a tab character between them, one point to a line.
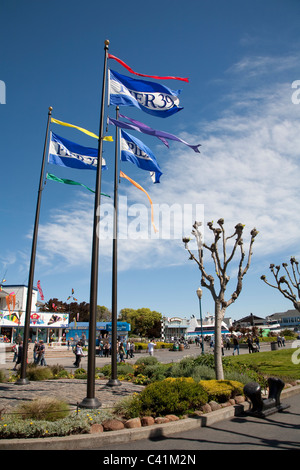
41	354
236	346
101	348
106	349
15	351
150	347
279	343
35	349
132	349
250	344
121	352
20	355
127	349
79	354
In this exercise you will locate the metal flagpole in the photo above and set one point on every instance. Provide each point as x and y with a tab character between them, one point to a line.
114	375
90	401
23	380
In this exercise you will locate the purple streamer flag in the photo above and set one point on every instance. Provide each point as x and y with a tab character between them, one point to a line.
141	127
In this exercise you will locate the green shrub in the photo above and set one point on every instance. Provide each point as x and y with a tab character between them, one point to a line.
203	372
47	409
62	374
221	390
140	346
156	372
2	377
142	363
250	372
206	360
56	369
129	407
35	373
80	373
122	369
106	370
148	360
179	395
237	376
184	368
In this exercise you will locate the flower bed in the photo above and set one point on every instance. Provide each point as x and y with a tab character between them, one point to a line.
159	402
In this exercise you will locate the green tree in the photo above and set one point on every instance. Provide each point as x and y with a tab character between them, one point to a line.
103	313
143	321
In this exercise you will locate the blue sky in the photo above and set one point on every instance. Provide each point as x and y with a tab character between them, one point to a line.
241	58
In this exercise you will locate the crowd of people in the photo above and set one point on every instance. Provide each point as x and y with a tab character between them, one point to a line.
126	349
231	341
280	341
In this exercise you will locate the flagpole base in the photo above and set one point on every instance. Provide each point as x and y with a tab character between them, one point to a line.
90	403
113	383
22	381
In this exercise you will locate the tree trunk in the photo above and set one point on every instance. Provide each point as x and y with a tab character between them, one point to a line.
218	339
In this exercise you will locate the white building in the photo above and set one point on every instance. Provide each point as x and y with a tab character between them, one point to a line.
14	297
177	327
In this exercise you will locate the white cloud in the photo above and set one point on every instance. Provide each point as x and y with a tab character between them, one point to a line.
260	65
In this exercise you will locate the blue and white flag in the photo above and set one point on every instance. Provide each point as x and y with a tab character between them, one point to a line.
63	152
134	151
151	97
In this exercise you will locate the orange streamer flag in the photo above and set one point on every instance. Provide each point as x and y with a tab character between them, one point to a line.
11	301
142	189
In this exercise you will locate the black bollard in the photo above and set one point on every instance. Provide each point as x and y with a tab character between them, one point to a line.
263	407
252	390
275	388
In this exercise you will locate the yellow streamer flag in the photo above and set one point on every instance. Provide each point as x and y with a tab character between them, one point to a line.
137	185
107	138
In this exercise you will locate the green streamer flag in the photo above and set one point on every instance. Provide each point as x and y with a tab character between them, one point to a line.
52	177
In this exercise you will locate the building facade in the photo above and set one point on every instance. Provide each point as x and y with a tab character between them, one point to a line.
175	328
77	331
43	325
289	319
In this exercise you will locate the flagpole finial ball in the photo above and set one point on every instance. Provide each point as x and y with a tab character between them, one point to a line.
50	108
106	42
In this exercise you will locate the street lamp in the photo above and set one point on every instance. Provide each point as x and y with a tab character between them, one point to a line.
199	294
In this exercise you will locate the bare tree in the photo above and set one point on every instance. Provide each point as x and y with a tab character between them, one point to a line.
290	288
221	262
